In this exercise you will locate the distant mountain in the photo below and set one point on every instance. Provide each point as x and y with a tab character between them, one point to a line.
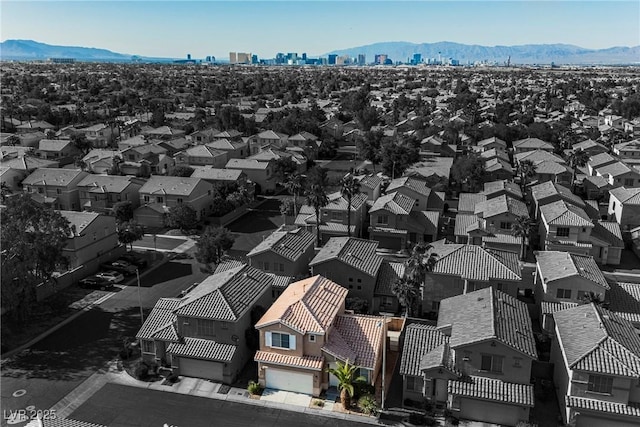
523	54
29	49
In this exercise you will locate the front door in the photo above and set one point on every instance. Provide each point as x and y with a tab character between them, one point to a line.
440	389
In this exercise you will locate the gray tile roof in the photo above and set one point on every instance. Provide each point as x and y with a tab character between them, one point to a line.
387	275
493	390
501	205
357	253
608	231
419	340
198	348
555	265
215	174
414	183
467	201
597	340
624	300
79	220
493	187
54	177
338	202
561	213
476	263
174	185
628	196
161	317
395	203
288	244
488	314
225	296
532	143
599	405
105	183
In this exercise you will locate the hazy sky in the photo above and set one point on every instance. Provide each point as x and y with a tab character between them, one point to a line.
175	28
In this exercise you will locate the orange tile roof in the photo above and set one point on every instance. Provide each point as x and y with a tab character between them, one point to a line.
305	362
356	338
309	305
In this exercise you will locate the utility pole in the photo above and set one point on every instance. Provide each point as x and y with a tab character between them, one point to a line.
139	298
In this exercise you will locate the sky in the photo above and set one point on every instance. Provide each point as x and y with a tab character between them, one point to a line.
174	28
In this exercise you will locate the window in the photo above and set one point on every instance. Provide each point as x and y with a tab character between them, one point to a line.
563	293
58	191
359	287
145	198
337	216
491	363
517	362
148	347
281	267
132	157
359	280
414	383
266	265
628	182
600	384
280	340
40	190
504	225
205	327
159	199
562	232
224	325
179	200
383	219
312	338
435	305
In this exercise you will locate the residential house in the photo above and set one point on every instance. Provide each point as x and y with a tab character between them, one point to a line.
31	126
370	185
284	252
498	169
619	174
11	179
624	207
234	149
460	269
607	243
99	160
596	187
203	136
531	144
590	147
477	358
599	161
596	359
268	138
60	150
549	192
209	332
628	150
55	187
493	143
260	173
397	224
502	187
416	188
99	135
146	159
565	227
161	193
494	154
306	331
221	176
269	154
98	193
501	212
164	132
201	155
624	300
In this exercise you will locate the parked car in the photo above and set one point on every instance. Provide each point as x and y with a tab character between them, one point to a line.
134	259
111	276
121	266
95	282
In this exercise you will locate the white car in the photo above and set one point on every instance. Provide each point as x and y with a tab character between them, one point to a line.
112	276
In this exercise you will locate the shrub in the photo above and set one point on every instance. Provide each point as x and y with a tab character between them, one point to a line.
126	353
318	402
254	387
142	371
430	421
173	378
417	419
363	389
368	404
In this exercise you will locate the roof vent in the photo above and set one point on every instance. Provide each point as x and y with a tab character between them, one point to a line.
480	298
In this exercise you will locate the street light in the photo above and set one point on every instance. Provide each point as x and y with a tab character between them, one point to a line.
139	298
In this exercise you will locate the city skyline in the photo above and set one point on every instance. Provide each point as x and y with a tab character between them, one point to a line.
205	28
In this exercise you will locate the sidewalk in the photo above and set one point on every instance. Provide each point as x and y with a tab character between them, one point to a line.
189	386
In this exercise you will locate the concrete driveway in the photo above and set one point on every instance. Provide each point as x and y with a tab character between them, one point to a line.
287	397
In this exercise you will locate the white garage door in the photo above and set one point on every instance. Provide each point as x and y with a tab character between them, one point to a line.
289	381
201	369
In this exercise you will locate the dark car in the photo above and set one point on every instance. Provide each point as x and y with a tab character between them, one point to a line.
134	259
121	266
94	282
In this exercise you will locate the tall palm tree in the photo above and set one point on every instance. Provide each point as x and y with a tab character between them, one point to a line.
526	169
421	261
350	188
346	376
577	159
317	197
407	292
522	228
294	184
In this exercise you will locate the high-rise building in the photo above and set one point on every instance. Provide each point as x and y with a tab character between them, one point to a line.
304	56
233	58
417	59
239	58
280	58
332	59
380	58
362	59
188	56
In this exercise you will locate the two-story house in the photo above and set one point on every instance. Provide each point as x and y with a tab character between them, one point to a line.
477	358
235	149
590	147
284	252
620	174
98	193
200	155
100	160
531	144
99	134
565	227
596	359
624	207
209	332
493	143
416	188
598	161
370	185
306	331
549	192
55	187
161	193
60	150
203	136
93	239
260	173
628	150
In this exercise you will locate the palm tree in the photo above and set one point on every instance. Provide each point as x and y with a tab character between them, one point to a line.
346	375
421	261
317	197
294	184
350	188
527	169
407	292
577	159
522	228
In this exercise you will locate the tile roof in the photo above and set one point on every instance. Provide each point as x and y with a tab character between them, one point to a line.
54	177
356	338
561	213
466	223
476	263
616	169
370	181
204	151
53	144
419	340
247	164
608	231
423	222
105	183
215	174
495	390
174	185
338	202
306	362
507	239
501	205
309	305
488	314
493	187
550	307
548	167
491	140
555	265
387	275
288	244
624	300
198	348
160	318
601	160
628	196
597	340
79	220
336	227
602	406
395	203
467	201
537	156
414	183
548	189
226	295
354	252
496	164
532	143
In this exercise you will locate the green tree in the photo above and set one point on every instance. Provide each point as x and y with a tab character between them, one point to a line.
396	158
80	141
33	237
317	197
283	168
157	117
129	232
468	170
346	374
13	140
181	216
212	244
522	228
421	261
294	184
349	187
577	159
407	291
123	211
526	170
184	171
369	147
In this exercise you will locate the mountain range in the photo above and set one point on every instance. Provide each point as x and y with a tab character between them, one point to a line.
397	51
522	54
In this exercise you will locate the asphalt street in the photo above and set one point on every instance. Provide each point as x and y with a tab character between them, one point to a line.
117	405
43	374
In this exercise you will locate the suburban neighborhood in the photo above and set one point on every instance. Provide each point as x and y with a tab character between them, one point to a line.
362	245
